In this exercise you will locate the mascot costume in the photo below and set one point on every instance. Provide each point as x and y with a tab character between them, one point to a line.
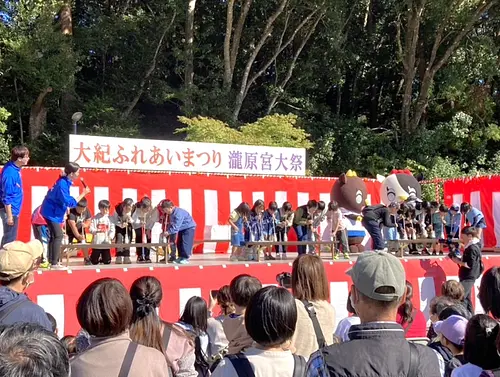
351	193
400	186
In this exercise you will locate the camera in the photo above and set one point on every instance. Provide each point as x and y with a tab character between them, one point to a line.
284	279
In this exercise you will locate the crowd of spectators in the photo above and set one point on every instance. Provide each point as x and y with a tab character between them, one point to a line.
249	330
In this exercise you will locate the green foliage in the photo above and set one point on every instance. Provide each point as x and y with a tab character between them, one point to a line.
273	131
4	139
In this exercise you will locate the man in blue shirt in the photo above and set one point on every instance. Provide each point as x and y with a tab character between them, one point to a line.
180	222
11	192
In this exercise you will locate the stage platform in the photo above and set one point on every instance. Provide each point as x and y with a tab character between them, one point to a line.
58	291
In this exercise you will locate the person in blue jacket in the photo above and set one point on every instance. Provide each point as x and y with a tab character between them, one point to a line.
54	207
182	224
11	192
474	218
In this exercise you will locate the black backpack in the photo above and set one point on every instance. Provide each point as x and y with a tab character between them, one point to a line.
244	369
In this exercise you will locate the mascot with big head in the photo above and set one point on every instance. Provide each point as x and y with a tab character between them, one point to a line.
351	193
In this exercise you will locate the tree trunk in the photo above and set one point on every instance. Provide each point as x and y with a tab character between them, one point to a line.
189	53
238	32
38	115
149	72
227	45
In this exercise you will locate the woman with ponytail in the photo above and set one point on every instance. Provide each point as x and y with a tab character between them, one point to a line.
149	330
412	319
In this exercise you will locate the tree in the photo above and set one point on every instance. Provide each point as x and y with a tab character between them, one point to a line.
451	22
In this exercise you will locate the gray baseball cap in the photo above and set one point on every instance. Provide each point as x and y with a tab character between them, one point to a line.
375	269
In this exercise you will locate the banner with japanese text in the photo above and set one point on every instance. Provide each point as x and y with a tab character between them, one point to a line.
164	155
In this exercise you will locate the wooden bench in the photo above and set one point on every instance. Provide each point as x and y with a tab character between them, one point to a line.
400	244
165	246
266	244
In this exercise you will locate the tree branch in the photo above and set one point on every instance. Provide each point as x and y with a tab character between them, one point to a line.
227	45
149	71
238	33
291	68
246	73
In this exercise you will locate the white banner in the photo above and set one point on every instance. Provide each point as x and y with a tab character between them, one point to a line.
164	155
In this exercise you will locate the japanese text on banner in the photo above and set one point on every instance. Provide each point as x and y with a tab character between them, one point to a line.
163	155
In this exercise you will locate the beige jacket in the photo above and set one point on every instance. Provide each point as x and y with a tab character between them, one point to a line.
304	341
105	356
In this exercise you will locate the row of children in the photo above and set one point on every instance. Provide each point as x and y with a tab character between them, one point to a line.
433	220
251	225
130	223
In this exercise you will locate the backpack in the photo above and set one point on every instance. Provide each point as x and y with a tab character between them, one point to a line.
243	367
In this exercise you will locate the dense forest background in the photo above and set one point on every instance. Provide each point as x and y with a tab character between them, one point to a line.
363	84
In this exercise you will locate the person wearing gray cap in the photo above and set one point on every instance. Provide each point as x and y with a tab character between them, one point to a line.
378	346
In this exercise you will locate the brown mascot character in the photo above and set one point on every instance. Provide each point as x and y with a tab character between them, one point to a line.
351	193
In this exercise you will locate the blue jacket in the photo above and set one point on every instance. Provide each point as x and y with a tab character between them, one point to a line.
11	189
180	220
474	216
58	200
28	312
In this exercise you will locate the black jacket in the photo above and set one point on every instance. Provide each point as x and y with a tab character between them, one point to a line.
471	256
379	213
378	350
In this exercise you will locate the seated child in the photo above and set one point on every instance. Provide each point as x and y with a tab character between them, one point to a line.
103	231
241	289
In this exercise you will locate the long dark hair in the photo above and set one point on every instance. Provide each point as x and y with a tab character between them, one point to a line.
224	300
243	210
258	203
119	207
196	314
405	310
146	294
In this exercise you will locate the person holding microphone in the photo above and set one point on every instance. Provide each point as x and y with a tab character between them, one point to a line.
54	207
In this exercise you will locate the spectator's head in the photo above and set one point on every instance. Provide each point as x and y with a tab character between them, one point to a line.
489	292
105	309
146	294
333	205
20	155
379	286
258	206
82	205
457	308
394	208
468	234
438	304
479	344
224	300
312	206
465	208
453	289
242	288
287	207
309	280
69	342
195	314
104	206
321	206
452	331
72	170
243	209
272	207
18	261
271	317
405	310
53	322
29	350
167	206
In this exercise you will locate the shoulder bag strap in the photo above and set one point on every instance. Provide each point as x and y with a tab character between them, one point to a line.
299	369
317	328
5	313
414	361
241	365
127	360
